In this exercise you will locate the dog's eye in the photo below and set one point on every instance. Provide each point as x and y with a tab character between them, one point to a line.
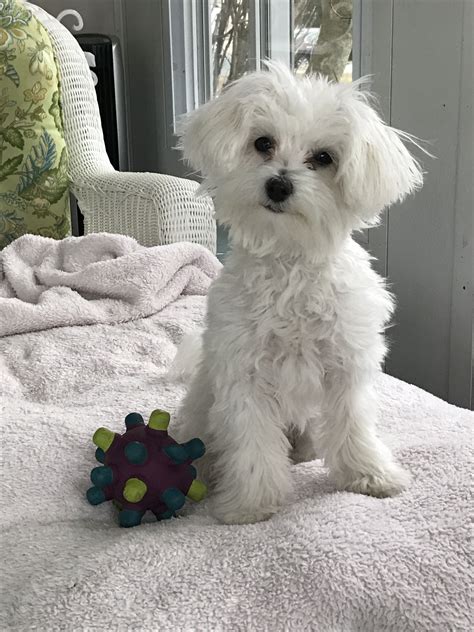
264	144
319	159
322	158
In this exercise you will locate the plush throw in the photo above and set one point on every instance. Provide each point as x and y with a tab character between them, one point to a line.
34	195
99	278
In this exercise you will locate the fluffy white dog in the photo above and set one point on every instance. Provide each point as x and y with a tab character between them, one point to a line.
294	338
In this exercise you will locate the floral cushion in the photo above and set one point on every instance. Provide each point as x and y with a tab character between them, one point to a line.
34	193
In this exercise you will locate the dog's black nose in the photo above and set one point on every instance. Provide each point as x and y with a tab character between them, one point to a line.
278	188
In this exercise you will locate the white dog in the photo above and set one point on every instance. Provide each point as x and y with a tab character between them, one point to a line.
294	338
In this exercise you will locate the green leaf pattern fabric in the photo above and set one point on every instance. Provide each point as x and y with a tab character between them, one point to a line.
34	187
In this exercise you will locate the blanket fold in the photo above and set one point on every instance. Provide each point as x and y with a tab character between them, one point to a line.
99	278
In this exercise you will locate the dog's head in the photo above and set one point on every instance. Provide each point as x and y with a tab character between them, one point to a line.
296	164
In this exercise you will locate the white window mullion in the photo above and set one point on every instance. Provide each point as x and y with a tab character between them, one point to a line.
186	66
190	58
205	42
256	37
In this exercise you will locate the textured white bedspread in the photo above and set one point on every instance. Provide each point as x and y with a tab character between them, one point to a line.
329	561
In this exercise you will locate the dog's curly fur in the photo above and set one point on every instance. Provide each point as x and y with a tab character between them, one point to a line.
294	337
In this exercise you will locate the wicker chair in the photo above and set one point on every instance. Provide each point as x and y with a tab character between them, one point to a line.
153	208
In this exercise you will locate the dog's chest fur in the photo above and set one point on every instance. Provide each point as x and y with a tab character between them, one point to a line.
286	324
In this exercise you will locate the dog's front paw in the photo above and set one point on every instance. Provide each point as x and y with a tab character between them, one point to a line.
389	482
241	515
241	509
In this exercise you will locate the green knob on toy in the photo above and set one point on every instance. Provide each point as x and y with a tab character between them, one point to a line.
103	438
159	420
197	491
134	490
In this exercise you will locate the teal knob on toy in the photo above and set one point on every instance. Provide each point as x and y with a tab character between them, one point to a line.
145	469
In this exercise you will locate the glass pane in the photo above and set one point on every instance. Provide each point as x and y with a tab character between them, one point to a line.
232	53
322	38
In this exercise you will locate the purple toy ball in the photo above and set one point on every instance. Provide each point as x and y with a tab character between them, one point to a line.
145	469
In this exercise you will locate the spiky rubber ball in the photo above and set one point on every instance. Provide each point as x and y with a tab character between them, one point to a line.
145	469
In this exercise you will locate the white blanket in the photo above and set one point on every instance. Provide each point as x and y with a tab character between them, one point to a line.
100	278
327	562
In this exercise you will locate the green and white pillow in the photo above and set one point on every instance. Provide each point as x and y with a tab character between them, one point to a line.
34	190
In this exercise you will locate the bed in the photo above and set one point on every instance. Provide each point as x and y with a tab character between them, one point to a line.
89	327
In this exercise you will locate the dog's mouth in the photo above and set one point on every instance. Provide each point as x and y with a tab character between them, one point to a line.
272	208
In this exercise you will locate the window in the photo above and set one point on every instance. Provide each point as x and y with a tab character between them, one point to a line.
214	42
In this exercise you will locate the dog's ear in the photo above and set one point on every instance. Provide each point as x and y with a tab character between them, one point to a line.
377	169
213	136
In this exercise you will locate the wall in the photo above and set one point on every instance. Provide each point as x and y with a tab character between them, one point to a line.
431	232
100	16
420	57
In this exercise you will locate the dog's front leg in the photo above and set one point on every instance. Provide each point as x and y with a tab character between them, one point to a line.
357	459
249	453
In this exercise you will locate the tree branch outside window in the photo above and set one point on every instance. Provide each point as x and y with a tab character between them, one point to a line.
322	39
